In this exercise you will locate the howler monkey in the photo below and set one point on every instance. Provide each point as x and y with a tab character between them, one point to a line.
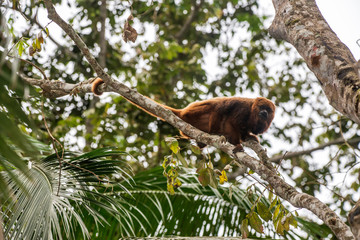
237	119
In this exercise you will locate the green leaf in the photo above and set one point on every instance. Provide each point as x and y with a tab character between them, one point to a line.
47	31
270	198
182	160
195	149
213	182
244	228
173	144
255	222
273	203
49	209
204	176
263	211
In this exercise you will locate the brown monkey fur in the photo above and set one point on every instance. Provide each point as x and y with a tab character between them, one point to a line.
237	119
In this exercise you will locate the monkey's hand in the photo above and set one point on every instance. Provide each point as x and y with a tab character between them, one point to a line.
222	139
238	148
252	138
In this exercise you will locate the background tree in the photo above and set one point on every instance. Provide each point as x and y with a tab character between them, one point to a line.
169	63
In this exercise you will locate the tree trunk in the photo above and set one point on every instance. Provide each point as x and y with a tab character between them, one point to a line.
301	24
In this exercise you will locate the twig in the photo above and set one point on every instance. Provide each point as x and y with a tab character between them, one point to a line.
61	159
54	140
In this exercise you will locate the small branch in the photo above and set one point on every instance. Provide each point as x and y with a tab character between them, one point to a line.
338	141
32	64
102	41
57	88
54	141
194	11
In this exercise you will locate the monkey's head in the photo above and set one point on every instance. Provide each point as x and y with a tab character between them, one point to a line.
262	114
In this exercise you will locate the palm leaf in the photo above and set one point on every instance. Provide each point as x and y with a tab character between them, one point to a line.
13	142
192	211
41	211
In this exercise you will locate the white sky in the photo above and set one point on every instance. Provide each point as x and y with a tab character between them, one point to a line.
343	16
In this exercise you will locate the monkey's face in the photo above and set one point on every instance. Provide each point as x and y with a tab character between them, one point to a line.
262	114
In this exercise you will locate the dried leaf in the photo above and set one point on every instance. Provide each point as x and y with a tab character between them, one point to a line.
31	51
40	37
129	34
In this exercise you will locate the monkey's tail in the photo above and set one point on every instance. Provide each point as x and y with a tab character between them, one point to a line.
98	81
174	110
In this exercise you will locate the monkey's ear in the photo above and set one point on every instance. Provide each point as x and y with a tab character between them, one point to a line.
95	86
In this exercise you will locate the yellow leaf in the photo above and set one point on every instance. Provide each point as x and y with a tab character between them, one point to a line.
223	178
170	189
177	183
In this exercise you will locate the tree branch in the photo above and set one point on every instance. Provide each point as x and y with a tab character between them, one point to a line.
289	193
179	36
102	41
57	88
354	220
338	141
281	188
301	24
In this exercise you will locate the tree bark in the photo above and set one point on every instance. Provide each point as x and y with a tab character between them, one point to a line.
354	220
1	230
301	24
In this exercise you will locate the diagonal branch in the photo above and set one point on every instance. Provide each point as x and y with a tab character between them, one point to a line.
281	188
297	199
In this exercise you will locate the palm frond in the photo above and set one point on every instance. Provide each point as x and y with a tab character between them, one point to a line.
13	142
41	210
192	211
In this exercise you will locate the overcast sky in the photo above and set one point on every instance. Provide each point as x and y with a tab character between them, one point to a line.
343	16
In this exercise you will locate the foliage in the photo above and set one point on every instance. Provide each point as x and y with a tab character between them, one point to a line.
14	127
40	210
192	210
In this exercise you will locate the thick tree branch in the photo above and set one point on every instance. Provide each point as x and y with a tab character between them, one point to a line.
281	188
301	24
